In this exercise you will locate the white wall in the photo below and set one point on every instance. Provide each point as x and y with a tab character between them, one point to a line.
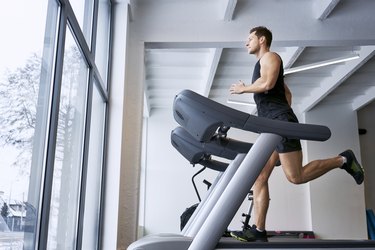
167	177
123	158
115	129
337	202
366	120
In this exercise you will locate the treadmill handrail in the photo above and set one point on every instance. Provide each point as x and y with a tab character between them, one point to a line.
201	117
194	151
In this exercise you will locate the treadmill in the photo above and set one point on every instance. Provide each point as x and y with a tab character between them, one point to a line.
202	120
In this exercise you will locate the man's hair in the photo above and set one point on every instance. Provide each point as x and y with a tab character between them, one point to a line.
263	31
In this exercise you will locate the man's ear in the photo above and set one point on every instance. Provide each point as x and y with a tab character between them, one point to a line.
262	39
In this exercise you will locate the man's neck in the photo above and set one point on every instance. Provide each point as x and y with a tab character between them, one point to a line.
261	52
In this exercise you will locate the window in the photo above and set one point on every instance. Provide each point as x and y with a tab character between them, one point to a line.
63	220
83	10
52	121
102	38
94	172
25	87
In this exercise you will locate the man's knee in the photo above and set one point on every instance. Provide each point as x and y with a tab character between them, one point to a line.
262	179
295	179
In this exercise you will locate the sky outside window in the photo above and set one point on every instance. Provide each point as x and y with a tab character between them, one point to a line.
22	24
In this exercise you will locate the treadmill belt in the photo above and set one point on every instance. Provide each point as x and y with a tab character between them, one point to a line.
293	243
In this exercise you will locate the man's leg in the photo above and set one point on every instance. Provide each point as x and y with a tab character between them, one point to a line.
261	192
292	166
261	203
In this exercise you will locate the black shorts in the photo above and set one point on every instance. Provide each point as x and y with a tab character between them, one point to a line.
288	145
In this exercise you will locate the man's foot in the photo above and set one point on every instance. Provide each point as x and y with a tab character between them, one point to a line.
249	234
352	166
227	233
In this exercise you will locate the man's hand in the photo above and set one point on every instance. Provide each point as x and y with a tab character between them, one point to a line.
237	88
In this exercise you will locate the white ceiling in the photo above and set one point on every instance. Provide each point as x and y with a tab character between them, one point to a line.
199	45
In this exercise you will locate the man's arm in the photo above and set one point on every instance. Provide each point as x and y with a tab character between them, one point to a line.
288	94
270	66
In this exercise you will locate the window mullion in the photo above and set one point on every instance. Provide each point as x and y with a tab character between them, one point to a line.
51	148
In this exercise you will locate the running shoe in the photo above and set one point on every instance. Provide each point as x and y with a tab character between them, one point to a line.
353	167
249	234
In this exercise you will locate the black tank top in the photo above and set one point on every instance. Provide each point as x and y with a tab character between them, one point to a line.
273	102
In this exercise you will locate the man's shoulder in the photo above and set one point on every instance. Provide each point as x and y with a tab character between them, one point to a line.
269	57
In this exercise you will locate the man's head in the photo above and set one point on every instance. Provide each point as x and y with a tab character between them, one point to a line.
262	31
259	36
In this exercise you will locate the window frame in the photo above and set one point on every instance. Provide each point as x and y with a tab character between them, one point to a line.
67	17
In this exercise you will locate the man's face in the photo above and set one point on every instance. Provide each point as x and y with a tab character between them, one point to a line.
252	43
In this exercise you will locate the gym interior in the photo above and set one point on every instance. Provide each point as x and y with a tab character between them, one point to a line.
110	177
200	46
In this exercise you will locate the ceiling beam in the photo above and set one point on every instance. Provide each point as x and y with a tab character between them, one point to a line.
214	59
295	52
146	105
340	75
208	31
363	100
323	8
228	9
130	9
275	43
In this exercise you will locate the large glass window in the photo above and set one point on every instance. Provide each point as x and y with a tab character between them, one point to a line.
26	73
63	218
52	130
94	173
102	38
83	10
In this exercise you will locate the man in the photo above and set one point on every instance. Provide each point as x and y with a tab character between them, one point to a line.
273	99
